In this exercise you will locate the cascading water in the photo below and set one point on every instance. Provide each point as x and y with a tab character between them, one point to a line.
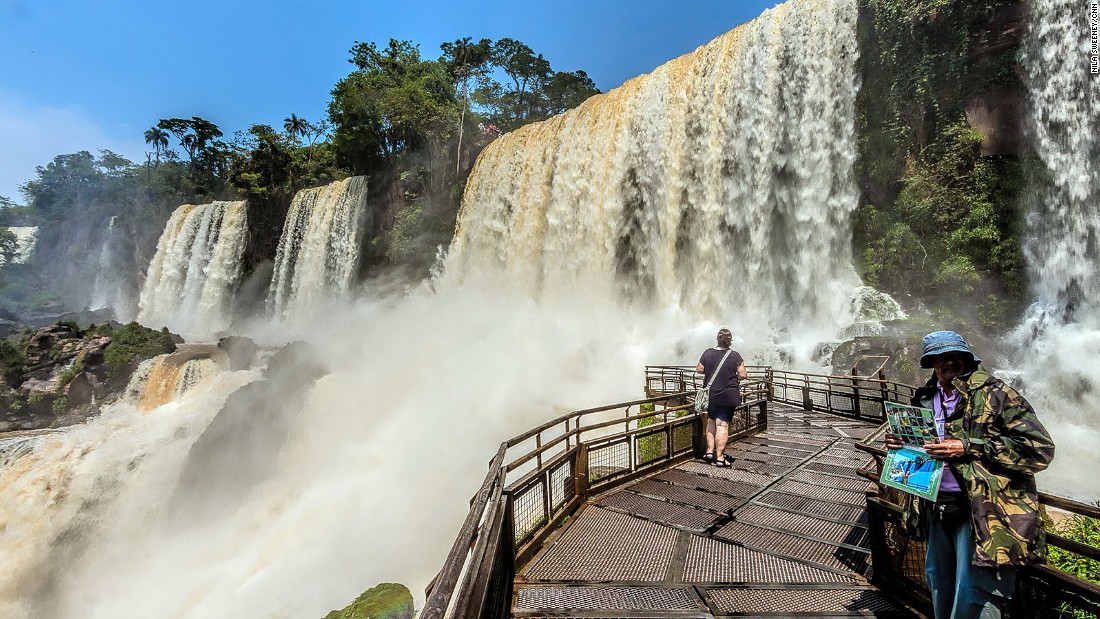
318	253
25	240
721	183
1058	343
109	289
650	192
192	277
168	377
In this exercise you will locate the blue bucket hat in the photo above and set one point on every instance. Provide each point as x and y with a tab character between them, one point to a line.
941	342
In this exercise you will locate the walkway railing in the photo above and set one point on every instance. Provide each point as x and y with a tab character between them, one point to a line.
850	396
539	478
557	466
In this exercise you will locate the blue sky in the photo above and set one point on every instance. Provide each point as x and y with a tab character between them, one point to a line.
82	75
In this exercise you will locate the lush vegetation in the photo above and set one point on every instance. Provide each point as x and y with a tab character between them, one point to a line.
1079	529
415	125
385	601
939	219
132	343
12	361
412	124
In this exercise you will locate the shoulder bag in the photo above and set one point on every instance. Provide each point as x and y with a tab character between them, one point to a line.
702	397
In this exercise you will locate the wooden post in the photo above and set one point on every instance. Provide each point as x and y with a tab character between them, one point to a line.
580	472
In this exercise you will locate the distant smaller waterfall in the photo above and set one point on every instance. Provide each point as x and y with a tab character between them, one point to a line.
318	253
191	279
110	289
25	238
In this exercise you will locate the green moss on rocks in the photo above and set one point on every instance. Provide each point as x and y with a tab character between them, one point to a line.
385	601
12	360
939	213
133	343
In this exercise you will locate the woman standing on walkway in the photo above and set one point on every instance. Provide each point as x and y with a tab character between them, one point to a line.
727	368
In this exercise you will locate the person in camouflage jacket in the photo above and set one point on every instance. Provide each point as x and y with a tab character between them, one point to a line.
993	444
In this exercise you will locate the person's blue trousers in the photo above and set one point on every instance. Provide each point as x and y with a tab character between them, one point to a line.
961	590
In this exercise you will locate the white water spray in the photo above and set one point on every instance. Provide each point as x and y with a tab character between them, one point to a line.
192	277
1059	340
109	289
318	253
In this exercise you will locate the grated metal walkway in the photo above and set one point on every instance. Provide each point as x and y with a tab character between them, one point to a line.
781	533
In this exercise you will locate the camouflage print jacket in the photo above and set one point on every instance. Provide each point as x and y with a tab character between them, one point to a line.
1004	445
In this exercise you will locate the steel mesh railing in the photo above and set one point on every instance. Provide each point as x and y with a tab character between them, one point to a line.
564	461
848	396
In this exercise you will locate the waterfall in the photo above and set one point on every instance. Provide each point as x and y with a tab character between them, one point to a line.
109	289
190	282
318	253
1064	125
1058	344
721	183
25	241
168	377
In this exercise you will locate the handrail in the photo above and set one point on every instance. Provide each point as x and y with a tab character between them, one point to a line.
437	602
507	522
519	438
577	432
490	500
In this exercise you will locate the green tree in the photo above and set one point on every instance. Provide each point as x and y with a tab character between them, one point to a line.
566	90
158	139
62	184
393	105
294	126
207	156
529	72
262	161
466	62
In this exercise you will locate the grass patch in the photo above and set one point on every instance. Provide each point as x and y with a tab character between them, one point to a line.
385	601
133	343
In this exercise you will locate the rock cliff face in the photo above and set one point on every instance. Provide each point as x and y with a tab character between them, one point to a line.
60	374
997	113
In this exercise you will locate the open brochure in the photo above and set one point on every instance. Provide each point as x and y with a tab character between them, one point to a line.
910	468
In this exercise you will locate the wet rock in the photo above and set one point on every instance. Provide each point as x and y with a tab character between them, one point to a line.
241	351
60	373
296	362
241	446
80	390
50	344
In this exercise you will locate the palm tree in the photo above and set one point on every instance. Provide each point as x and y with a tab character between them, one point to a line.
295	126
159	139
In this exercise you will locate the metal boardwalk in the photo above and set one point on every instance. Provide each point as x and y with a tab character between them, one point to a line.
780	533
